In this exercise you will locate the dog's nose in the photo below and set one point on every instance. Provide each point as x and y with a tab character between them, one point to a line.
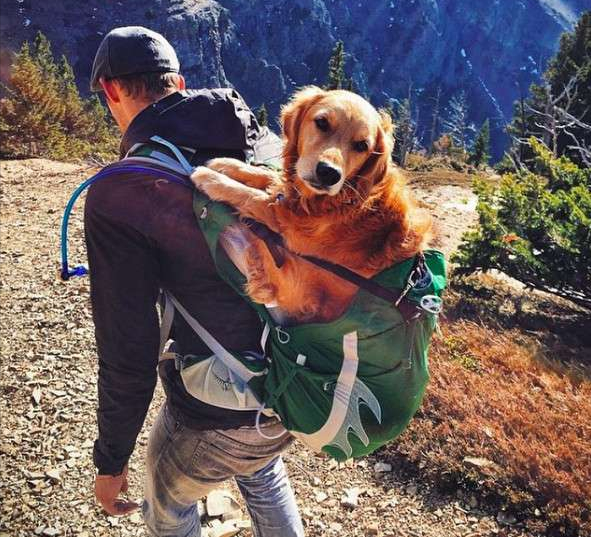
328	175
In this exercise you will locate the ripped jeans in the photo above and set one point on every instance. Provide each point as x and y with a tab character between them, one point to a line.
183	465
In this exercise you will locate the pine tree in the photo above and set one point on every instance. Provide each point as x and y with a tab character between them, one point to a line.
480	153
336	68
518	131
526	123
43	114
535	227
435	119
573	60
77	126
104	137
388	108
44	56
262	116
405	131
558	111
457	124
32	110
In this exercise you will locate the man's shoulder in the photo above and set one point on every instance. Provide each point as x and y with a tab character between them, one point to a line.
130	195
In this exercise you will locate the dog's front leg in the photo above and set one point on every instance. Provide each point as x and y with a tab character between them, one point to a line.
248	201
254	176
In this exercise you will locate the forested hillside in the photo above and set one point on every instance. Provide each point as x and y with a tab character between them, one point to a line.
428	50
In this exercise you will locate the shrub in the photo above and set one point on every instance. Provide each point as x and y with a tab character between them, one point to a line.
43	114
446	147
535	227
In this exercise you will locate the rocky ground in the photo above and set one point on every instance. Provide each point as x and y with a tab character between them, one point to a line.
48	393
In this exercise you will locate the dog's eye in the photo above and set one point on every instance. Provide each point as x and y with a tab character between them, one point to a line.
322	124
360	147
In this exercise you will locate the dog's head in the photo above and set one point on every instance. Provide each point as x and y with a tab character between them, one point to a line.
335	142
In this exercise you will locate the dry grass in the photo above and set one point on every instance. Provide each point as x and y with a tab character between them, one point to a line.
494	397
423	163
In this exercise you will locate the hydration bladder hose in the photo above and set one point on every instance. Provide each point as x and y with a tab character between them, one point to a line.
115	169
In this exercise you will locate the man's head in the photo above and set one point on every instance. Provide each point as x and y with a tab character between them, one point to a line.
134	67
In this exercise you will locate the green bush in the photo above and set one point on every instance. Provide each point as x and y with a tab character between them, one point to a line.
43	114
535	227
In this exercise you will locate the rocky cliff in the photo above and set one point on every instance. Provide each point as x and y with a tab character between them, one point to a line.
266	48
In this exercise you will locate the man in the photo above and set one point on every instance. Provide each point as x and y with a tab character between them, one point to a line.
142	236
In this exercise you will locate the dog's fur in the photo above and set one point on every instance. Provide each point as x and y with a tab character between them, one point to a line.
365	222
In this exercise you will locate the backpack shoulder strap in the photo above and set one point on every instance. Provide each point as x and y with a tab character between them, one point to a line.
146	166
229	360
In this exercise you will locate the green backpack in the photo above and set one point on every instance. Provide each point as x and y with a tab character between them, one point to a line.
345	387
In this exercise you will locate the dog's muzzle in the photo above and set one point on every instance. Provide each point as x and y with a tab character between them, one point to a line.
327	175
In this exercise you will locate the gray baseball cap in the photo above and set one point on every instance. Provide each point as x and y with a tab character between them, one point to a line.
132	50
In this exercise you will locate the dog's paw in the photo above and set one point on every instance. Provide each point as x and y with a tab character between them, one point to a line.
223	165
261	292
202	177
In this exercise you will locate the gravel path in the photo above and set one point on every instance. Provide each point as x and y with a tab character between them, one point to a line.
48	395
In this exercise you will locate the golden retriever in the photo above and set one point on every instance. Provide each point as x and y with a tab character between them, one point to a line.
340	198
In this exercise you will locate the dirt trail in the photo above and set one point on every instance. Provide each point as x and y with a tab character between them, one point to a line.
48	391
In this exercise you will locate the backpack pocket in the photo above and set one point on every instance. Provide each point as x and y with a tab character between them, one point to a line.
375	385
212	382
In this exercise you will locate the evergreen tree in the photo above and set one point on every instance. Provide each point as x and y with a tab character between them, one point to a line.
103	136
457	124
44	56
336	68
573	61
43	113
388	108
32	110
558	111
517	130
480	153
435	119
262	116
526	124
76	124
404	135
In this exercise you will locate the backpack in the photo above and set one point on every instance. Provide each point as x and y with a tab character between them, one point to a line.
346	387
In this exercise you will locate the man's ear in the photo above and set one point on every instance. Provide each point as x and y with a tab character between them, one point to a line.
111	89
182	84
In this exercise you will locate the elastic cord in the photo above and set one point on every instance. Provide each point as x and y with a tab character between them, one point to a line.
257	425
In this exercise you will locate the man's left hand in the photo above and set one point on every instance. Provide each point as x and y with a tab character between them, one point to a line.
107	489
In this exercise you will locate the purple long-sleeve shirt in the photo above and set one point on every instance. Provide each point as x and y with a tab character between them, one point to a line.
142	235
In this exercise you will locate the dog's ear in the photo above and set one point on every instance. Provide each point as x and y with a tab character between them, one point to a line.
386	122
293	113
379	161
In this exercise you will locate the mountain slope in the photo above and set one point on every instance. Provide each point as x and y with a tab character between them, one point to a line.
492	50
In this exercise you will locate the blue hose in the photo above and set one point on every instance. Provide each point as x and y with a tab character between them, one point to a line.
80	270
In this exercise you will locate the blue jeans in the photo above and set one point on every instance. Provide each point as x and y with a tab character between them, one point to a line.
183	465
